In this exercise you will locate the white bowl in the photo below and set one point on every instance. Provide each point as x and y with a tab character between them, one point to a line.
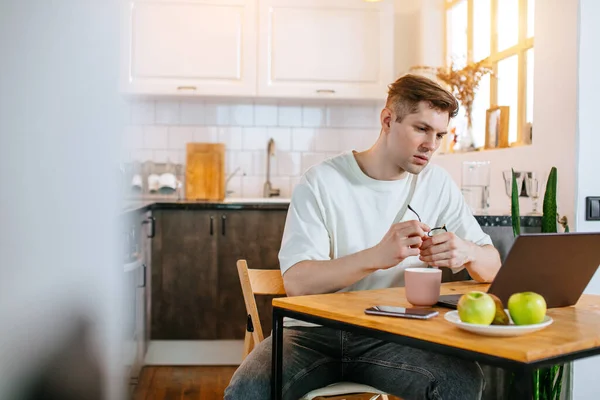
497	330
153	182
167	180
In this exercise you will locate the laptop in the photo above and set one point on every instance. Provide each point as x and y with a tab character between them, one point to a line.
558	266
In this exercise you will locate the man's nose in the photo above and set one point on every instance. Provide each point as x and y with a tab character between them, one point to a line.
429	143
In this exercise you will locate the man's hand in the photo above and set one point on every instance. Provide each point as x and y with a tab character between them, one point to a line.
401	241
446	250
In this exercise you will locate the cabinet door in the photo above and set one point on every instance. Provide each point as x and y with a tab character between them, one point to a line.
254	235
325	48
147	233
192	47
184	275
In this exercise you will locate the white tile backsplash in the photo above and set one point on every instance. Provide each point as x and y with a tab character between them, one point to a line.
265	115
156	137
206	134
328	139
179	136
192	113
289	115
304	135
313	116
142	113
166	113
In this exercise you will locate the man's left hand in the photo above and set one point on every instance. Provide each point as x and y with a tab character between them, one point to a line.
446	250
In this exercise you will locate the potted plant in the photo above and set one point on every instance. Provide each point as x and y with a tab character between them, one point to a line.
547	381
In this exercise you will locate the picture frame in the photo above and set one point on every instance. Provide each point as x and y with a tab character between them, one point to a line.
496	127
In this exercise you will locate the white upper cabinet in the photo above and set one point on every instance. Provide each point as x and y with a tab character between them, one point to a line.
192	47
325	48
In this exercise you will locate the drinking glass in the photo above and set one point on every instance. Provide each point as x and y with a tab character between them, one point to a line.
507	175
533	188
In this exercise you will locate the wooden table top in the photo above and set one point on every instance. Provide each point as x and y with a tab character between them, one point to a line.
574	328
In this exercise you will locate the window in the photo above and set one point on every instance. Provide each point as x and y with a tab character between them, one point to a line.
502	32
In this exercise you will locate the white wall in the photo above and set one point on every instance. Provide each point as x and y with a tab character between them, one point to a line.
588	184
58	109
554	112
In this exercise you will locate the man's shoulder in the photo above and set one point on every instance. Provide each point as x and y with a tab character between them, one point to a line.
436	173
328	169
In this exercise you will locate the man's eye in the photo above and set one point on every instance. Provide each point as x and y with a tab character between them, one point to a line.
422	129
440	136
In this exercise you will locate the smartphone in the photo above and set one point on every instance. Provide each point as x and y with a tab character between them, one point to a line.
403	312
449	300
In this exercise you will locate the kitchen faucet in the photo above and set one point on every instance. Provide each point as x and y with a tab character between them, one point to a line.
268	190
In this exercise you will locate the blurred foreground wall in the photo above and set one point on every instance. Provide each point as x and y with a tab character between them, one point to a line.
59	123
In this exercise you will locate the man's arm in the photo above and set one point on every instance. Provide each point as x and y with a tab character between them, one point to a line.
315	277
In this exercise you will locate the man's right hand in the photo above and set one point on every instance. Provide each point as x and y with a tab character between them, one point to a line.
401	241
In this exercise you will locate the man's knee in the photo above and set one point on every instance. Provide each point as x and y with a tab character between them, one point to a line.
252	380
464	381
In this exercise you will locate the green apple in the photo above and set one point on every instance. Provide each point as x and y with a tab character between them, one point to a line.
476	308
527	308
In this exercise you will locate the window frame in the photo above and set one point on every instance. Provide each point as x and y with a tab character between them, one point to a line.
520	49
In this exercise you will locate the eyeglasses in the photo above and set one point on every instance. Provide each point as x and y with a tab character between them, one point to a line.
433	231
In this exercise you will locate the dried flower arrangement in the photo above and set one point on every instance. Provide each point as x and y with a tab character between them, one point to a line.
463	82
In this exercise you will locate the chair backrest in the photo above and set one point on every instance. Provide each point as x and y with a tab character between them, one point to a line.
257	282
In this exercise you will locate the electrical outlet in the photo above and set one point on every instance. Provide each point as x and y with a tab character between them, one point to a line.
592	208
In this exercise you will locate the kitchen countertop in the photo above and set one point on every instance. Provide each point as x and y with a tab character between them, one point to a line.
491	218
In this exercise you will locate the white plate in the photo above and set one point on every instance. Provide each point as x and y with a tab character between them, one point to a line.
497	330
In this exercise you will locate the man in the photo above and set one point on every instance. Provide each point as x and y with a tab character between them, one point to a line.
353	225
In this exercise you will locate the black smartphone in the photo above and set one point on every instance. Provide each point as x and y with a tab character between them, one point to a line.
403	312
449	300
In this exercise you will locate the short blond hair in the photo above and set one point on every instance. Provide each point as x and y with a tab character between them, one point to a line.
405	94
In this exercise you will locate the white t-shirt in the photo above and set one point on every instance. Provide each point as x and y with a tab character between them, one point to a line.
337	210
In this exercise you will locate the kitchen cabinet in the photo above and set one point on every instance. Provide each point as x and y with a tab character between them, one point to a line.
192	47
253	235
184	275
196	293
258	48
325	48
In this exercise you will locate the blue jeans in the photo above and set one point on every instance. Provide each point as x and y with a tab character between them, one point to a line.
314	357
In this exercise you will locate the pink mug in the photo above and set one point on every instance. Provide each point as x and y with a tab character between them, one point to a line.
422	285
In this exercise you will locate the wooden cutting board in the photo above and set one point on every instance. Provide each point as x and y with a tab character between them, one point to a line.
205	171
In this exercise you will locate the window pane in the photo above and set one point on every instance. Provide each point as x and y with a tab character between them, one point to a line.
508	23
508	92
530	17
457	34
481	29
529	112
480	104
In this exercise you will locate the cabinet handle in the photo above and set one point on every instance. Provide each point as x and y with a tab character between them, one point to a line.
329	91
152	222
186	88
212	221
223	219
144	268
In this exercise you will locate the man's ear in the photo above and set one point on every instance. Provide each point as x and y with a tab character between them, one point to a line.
386	119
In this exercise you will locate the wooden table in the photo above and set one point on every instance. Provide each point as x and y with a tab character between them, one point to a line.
574	334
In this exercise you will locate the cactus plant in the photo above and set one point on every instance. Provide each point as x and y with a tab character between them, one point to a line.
514	206
547	382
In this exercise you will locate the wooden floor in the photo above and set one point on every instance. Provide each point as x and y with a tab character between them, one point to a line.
190	383
183	383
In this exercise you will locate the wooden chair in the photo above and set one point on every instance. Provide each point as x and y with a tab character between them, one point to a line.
269	282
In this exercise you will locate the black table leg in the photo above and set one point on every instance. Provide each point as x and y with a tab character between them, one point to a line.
523	383
277	356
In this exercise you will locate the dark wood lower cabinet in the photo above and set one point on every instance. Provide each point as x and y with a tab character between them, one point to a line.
184	275
253	235
196	292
